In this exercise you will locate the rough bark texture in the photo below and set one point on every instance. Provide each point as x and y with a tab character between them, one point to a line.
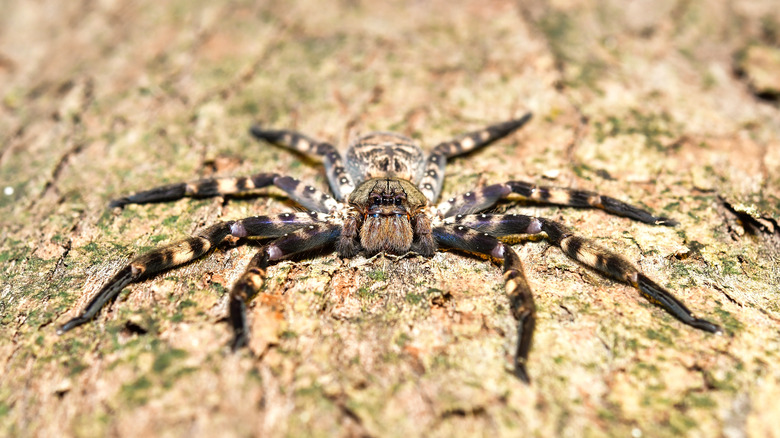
662	103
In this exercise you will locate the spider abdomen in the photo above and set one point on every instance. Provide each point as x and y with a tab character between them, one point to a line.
385	154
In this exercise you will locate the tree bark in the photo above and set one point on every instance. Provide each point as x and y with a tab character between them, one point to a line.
661	104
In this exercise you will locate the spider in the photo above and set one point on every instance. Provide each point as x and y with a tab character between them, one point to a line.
385	193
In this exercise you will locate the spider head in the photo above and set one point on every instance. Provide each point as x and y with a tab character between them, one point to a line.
383	203
387	206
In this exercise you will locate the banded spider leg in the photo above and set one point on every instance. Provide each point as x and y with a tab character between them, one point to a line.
474	233
521	300
294	232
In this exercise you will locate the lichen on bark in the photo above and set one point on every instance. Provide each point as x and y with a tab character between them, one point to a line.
646	102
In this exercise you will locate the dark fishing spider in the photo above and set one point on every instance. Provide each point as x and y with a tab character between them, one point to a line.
385	193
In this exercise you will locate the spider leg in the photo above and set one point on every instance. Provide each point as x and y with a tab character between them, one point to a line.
589	254
187	250
248	285
520	297
432	179
341	183
486	197
308	196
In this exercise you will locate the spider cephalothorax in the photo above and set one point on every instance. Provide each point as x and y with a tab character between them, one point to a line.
390	214
385	201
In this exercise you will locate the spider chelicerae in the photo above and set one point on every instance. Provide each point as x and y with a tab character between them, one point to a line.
385	193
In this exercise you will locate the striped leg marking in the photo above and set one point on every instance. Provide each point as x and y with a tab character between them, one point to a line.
472	202
190	249
308	196
510	228
275	226
433	177
244	290
341	182
477	139
154	261
204	188
584	199
487	197
589	254
617	267
521	301
519	292
308	238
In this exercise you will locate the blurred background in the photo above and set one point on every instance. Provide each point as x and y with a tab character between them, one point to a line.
672	105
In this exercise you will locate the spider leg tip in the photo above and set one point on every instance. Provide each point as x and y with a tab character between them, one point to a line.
239	341
522	120
703	324
716	329
121	202
258	131
521	373
665	221
68	326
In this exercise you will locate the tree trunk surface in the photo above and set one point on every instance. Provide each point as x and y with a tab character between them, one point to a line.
670	105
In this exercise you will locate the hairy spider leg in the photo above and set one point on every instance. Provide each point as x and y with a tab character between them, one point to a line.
159	259
203	188
486	197
341	182
187	250
309	197
521	300
305	239
431	182
589	254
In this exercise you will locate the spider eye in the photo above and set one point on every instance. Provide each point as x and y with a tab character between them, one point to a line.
375	200
398	201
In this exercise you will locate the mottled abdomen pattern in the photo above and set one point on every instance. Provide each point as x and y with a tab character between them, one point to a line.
385	154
